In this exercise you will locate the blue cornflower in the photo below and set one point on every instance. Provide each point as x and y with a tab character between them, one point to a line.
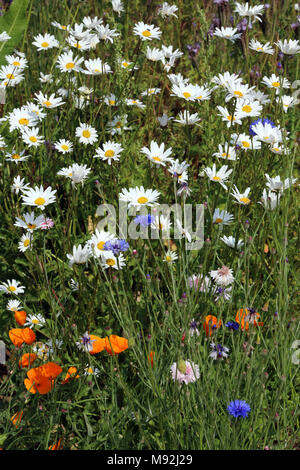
144	220
263	121
232	325
239	408
116	246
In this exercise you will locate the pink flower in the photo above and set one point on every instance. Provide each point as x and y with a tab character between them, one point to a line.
48	223
185	371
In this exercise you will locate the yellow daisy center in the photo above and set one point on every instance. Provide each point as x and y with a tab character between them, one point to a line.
118	124
238	93
276	84
125	64
45	44
33	139
23	121
90	370
16	63
276	149
225	155
112	102
47	103
157	159
230	118
86	133
186	94
218	220
97	70
39	201
146	33
12	288
142	200
70	65
245	144
259	48
199	97
246	108
16	156
35	322
65	147
100	245
31	226
168	258
10	76
245	200
110	262
63	27
216	178
109	153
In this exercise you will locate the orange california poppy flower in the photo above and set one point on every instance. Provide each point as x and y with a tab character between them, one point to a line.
28	335
37	382
115	344
210	324
56	446
98	344
70	375
27	359
20	317
16	418
151	358
16	337
50	370
246	316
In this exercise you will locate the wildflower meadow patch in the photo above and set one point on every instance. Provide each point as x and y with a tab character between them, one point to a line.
148	225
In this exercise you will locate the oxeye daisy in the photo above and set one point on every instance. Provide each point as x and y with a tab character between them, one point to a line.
289	47
139	197
276	185
117	6
20	118
76	173
157	153
109	260
167	10
227	33
14	305
80	255
151	91
80	44
146	32
109	152
126	64
118	124
245	141
26	242
48	102
97	242
170	257
35	320
228	153
257	95
12	287
154	54
270	199
47	41
187	91
181	232
223	79
222	217
30	222
86	134
4	36
276	83
31	137
161	222
134	102
242	198
238	90
63	146
111	100
36	110
287	102
39	197
249	108
11	75
68	63
218	176
266	132
96	67
188	119
231	242
229	118
46	78
244	9
106	34
259	47
16	156
179	170
63	27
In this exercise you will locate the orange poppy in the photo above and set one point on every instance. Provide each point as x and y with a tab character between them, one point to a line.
245	317
40	379
115	344
211	323
151	358
56	446
27	359
70	374
20	317
50	370
19	336
16	418
98	344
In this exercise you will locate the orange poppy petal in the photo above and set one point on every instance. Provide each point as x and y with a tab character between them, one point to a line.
27	359
50	370
28	335
70	374
115	344
20	317
16	337
16	418
98	344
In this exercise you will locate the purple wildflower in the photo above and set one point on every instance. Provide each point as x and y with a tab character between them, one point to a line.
239	408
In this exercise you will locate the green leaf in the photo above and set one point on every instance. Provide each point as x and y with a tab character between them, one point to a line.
14	22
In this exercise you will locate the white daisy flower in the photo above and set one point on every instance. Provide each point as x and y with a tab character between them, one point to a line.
97	242
223	79
109	152
46	78
20	118
178	79
109	260
288	102
276	83
117	6
134	102
218	176
186	118
11	75
238	90
154	54
242	198
170	257
14	305
80	255
139	197
63	146
35	110
276	185
167	10
279	149
76	173
163	223
164	119
259	47
222	276
151	91
228	153
44	42
48	102
30	222
179	170
26	242
92	23
18	184
270	199
68	63
229	118
16	156
118	124
255	11
39	197
111	100
222	217
35	320
230	241
86	134
105	33
246	142
31	137
12	287
227	33
157	153
96	67
266	132
146	32
4	36
182	232
248	107
63	27
257	95
188	92
289	47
